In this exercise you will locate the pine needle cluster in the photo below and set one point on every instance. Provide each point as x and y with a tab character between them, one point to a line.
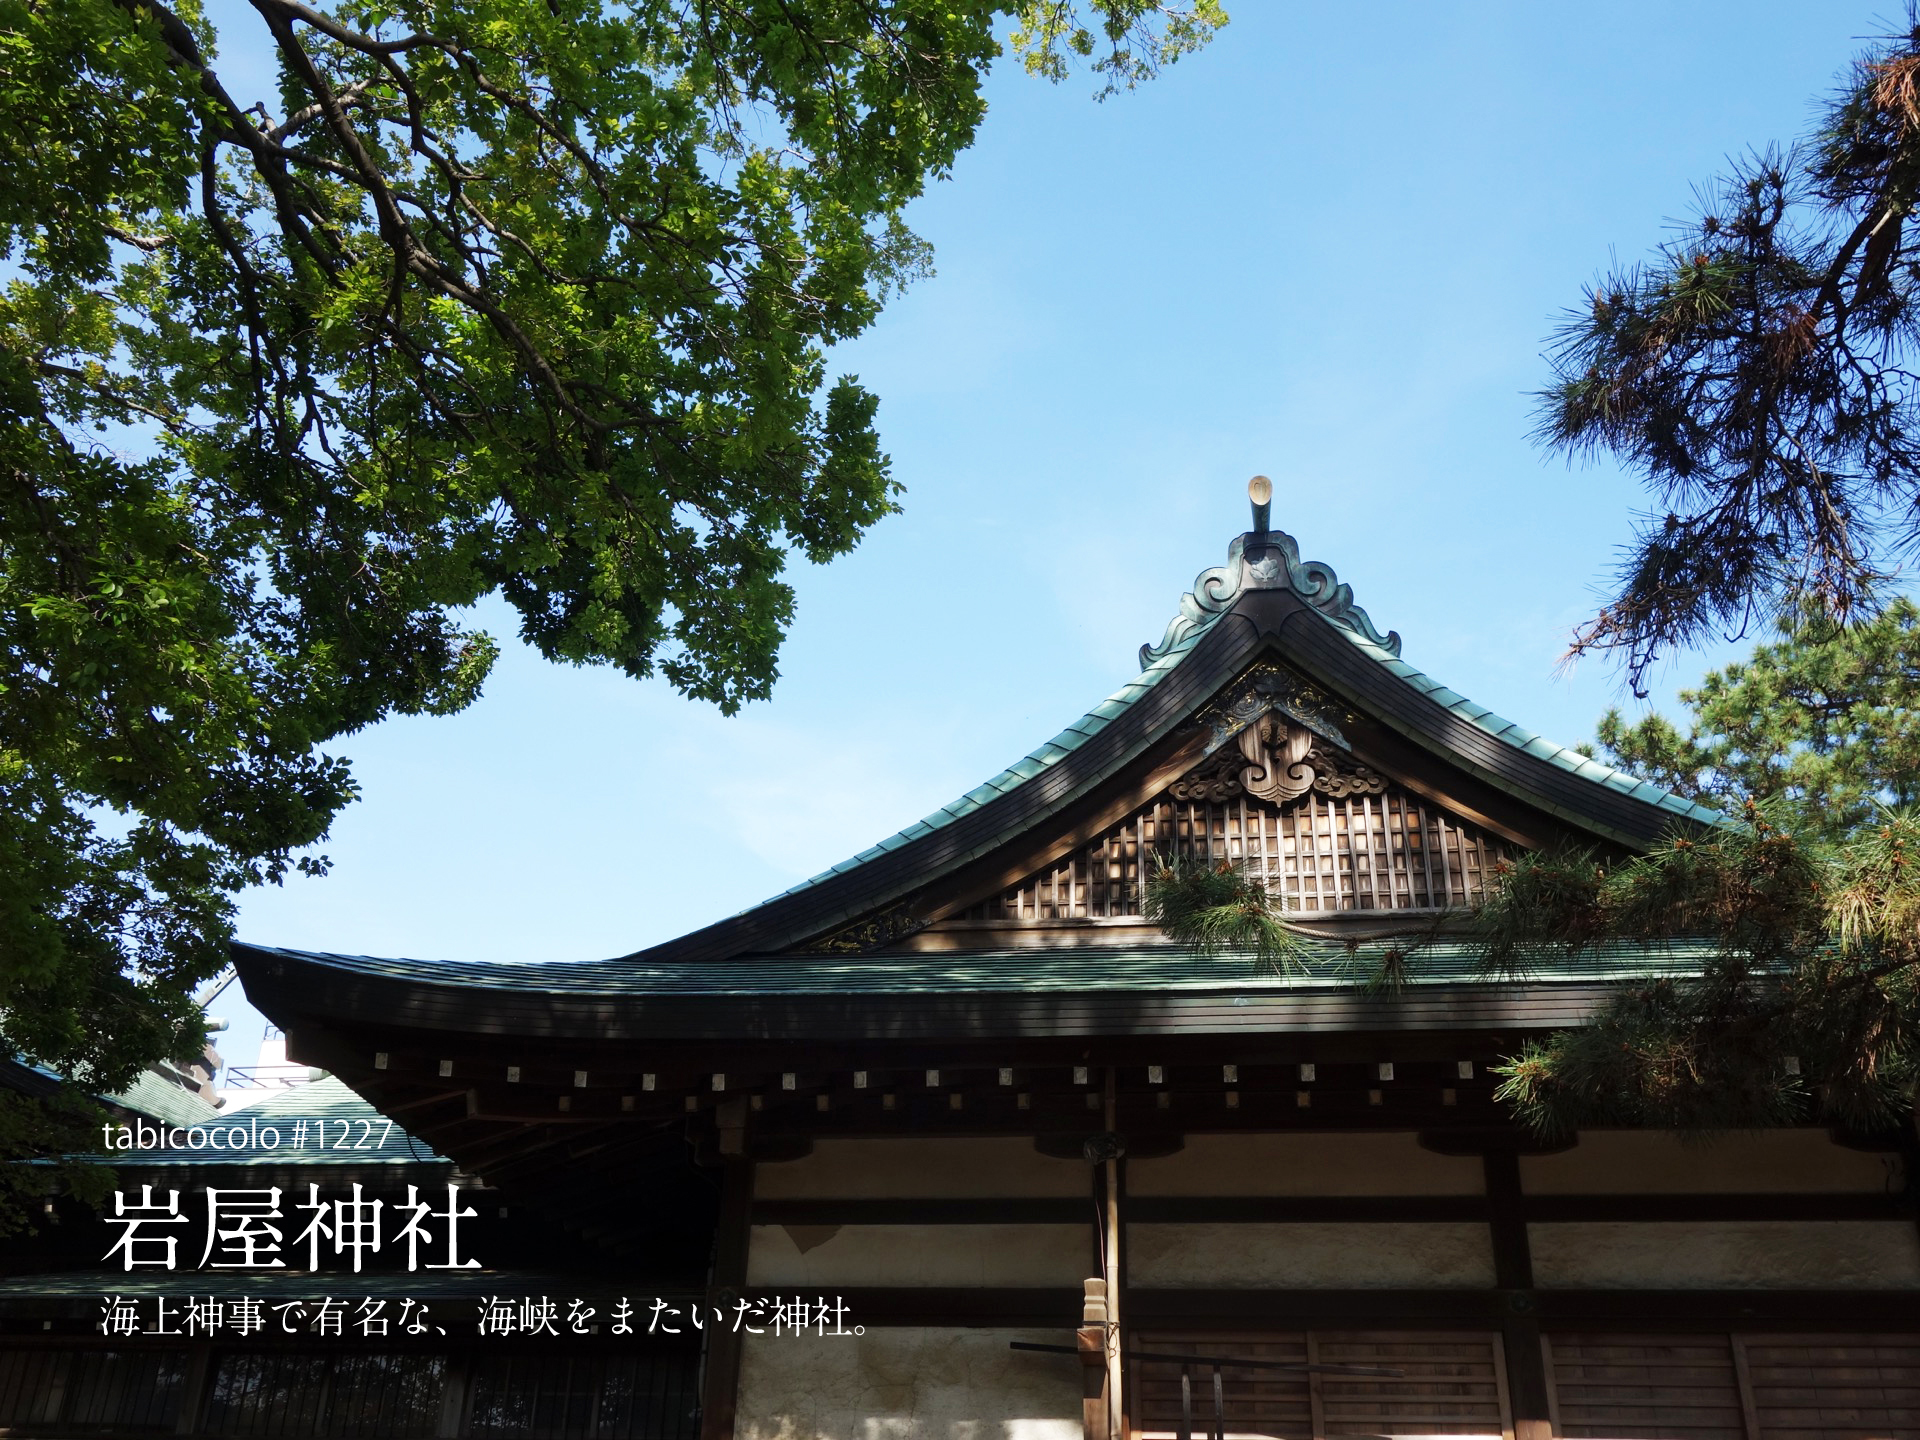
1758	373
1216	907
1808	1007
1823	720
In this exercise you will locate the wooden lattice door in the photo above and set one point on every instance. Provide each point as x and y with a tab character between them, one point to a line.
1454	1383
1660	1387
1735	1387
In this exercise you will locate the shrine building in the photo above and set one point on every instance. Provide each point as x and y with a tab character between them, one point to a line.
961	1085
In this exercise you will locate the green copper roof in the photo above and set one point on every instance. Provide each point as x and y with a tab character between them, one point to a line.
1080	970
1213	594
151	1094
1264	583
160	1099
1524	739
1035	763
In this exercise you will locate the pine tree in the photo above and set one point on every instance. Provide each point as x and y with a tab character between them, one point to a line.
1807	1009
1805	904
1758	371
1824	722
1809	901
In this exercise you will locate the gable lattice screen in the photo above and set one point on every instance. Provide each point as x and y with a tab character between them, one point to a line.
1390	851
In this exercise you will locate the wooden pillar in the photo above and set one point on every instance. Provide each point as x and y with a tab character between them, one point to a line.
1092	1340
1123	1338
1513	1273
720	1378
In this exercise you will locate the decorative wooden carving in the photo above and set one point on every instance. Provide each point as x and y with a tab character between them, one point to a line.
1266	688
1268	762
1276	754
1215	779
870	932
1339	775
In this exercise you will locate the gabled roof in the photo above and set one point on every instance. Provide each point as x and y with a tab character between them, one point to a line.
1026	768
1277	565
148	1094
1297	610
493	1062
160	1099
1263	606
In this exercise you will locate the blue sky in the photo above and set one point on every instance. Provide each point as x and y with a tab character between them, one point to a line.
1326	249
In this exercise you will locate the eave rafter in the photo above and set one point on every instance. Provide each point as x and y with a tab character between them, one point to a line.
516	1135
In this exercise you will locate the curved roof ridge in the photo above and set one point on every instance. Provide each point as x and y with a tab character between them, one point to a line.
1275	565
1022	770
1535	744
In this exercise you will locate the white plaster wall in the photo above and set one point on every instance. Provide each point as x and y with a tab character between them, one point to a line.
980	1167
1282	1164
848	1255
1727	1255
907	1384
1656	1162
1311	1255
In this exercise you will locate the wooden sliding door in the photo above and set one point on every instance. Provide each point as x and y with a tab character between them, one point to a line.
1735	1387
1454	1383
1601	1386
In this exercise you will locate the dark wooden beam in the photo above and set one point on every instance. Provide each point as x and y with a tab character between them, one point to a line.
421	1102
1015	1211
1357	1209
566	1156
1507	1216
963	1306
1789	1310
1358	1309
1677	1311
1813	1205
1141	1209
518	1140
1527	1382
1080	825
1271	1209
720	1380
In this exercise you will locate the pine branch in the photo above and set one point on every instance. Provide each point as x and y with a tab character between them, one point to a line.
1217	907
1809	1006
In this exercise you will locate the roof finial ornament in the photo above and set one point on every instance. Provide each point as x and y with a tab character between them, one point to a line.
1265	559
